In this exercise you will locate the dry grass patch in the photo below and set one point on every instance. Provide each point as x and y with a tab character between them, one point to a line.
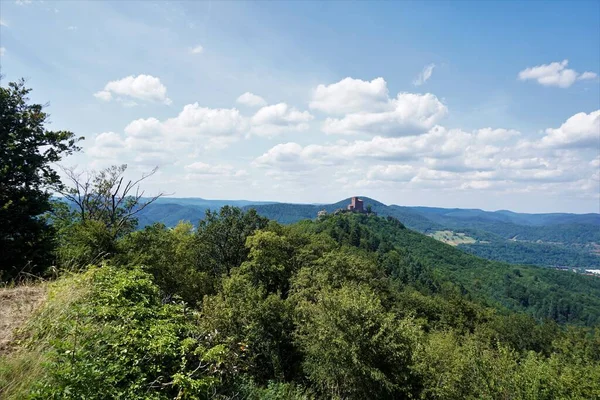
17	304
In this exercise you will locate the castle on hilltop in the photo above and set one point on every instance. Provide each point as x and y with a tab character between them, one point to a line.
356	205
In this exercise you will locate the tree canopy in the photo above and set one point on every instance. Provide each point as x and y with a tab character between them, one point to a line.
27	153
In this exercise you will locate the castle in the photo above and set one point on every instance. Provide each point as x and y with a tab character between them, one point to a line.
356	205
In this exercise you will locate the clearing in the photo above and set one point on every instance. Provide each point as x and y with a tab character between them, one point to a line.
452	238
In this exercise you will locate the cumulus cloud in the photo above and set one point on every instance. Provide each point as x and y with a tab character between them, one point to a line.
554	74
484	159
350	95
364	107
277	118
580	130
587	75
193	129
196	49
407	114
424	75
392	172
496	135
141	87
106	145
438	143
251	100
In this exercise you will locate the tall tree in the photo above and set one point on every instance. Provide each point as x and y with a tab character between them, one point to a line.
27	151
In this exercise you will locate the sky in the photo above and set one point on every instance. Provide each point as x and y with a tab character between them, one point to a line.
491	105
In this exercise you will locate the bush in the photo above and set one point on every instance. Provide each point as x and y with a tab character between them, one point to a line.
105	334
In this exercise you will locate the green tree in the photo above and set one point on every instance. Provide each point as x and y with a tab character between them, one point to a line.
101	207
222	237
353	348
27	151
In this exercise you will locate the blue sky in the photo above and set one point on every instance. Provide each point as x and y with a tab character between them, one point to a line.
453	104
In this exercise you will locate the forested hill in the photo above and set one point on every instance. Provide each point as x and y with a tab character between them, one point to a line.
559	239
543	293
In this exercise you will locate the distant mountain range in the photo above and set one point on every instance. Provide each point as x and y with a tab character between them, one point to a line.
551	239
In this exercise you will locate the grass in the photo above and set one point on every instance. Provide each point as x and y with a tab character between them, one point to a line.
452	238
17	304
29	313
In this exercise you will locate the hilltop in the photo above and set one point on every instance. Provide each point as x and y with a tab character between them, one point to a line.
554	240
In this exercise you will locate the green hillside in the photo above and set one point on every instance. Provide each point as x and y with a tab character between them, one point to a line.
544	293
351	306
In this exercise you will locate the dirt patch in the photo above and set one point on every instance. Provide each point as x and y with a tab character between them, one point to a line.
16	306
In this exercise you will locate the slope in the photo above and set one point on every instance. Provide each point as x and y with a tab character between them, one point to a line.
544	293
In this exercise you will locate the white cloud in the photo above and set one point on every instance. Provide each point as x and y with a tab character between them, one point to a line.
196	49
496	135
72	28
350	95
141	87
441	159
580	130
392	172
408	114
424	75
587	75
2	51
103	95
106	145
22	2
277	118
3	23
150	127
554	74
251	100
193	129
204	121
366	108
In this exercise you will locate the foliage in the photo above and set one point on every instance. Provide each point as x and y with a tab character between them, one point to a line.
352	306
353	348
534	254
114	339
544	293
27	152
97	209
223	235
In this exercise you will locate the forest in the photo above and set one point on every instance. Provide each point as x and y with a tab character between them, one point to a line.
238	306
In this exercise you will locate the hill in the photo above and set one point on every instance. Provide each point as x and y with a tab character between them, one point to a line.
560	239
545	293
350	306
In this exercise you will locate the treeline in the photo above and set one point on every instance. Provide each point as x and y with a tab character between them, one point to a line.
544	293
